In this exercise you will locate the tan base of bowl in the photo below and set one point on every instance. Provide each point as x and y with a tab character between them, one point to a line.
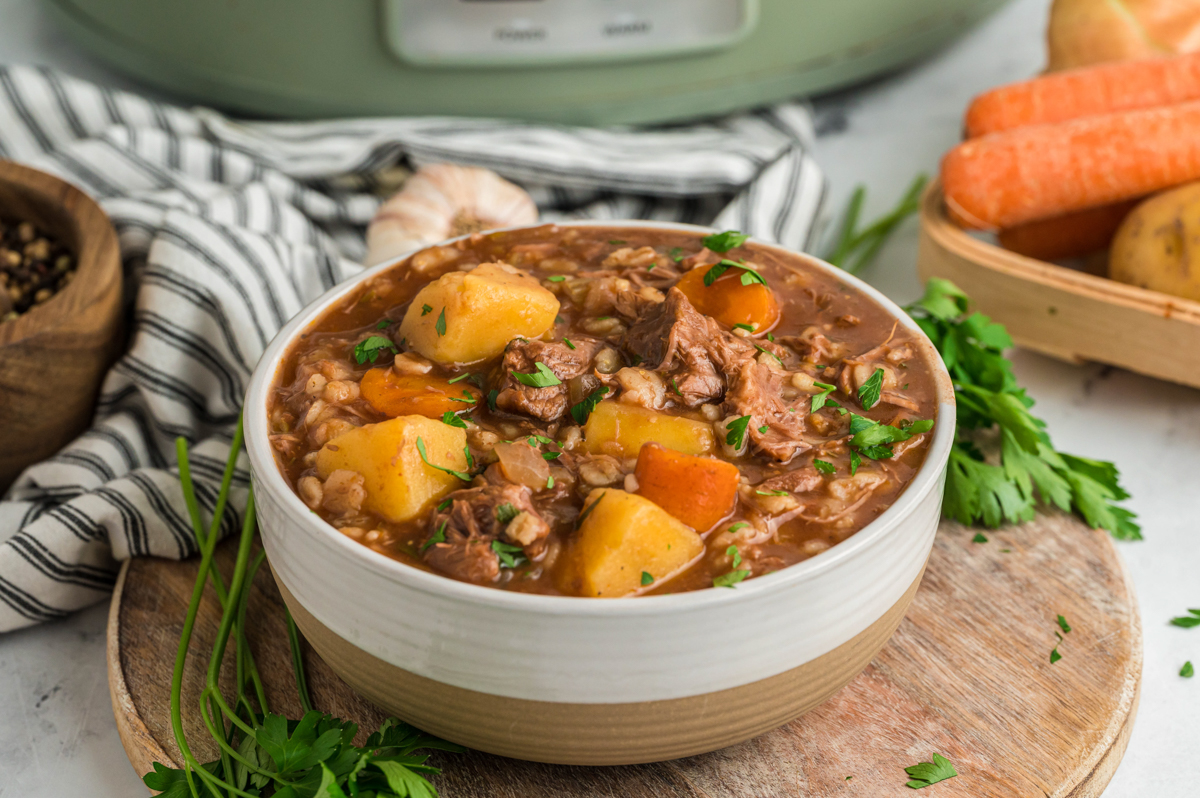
598	734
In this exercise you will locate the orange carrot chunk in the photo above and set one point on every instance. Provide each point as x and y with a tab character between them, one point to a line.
1090	91
699	491
1071	236
415	394
729	301
1010	178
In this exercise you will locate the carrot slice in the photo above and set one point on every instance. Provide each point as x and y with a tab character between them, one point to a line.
1006	179
415	394
1090	91
728	301
699	491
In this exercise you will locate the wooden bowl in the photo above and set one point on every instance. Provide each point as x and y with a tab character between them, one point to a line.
53	357
1059	311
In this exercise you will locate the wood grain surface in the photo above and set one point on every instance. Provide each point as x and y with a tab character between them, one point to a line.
53	357
1062	312
967	675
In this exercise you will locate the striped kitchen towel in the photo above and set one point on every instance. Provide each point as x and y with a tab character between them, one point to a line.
228	228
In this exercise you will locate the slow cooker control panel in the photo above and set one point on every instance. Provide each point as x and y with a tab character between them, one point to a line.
513	32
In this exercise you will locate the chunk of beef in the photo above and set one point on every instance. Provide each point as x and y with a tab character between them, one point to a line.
474	519
755	391
549	403
675	339
813	346
802	480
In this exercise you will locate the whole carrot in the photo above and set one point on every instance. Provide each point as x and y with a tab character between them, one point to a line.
1090	91
1010	178
1070	236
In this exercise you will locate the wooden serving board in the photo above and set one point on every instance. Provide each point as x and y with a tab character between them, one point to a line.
1059	311
967	675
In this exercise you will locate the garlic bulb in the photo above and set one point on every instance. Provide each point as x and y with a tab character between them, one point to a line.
441	201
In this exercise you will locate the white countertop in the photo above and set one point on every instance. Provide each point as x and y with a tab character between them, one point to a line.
57	735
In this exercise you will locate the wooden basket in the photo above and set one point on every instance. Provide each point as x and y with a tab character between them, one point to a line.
1059	311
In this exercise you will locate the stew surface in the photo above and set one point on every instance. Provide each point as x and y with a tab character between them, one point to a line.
602	411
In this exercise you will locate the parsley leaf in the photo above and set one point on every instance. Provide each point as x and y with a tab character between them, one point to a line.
449	418
868	392
723	242
426	310
1187	671
464	476
460	378
733	552
491	399
542	378
923	774
749	274
855	461
824	467
567	341
735	433
506	513
1029	469
556	278
616	242
1062	624
436	537
467	398
510	556
730	579
763	429
737	526
370	348
588	510
585	406
821	399
383	323
1187	621
1055	656
440	325
979	538
647	579
771	492
676	254
770	353
675	387
746	327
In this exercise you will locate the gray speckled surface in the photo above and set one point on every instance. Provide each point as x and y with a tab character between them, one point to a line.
57	736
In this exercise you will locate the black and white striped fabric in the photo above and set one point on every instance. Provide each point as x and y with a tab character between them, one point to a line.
228	228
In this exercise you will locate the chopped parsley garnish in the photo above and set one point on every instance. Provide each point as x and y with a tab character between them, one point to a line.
737	526
732	578
549	482
371	348
770	337
647	579
855	461
874	440
768	352
1187	671
556	278
440	325
491	399
436	537
449	418
637	360
723	242
676	254
1055	656
567	341
464	476
506	513
771	492
990	401
510	556
735	433
426	310
467	398
470	459
763	429
537	438
733	552
445	504
979	538
1187	621
824	467
585	406
923	774
868	392
675	387
1062	624
746	327
551	455
588	510
542	378
460	378
478	381
749	274
822	399
616	242
383	323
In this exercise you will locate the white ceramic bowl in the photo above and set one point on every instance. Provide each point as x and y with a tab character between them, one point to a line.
592	681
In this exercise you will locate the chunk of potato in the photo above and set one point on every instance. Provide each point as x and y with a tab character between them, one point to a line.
399	484
620	429
625	535
1155	247
473	315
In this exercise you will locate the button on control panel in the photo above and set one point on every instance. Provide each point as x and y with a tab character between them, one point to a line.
513	32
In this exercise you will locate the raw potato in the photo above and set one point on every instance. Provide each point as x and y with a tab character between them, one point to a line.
1158	244
1084	32
398	483
620	429
624	535
485	309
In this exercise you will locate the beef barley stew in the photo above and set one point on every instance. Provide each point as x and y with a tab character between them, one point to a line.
602	411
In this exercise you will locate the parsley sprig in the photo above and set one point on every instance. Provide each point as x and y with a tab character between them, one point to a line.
723	242
1029	468
750	275
542	377
371	348
263	753
923	774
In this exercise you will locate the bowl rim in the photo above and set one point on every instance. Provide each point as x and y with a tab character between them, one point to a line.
265	468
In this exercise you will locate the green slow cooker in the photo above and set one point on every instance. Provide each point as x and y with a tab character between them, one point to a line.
577	61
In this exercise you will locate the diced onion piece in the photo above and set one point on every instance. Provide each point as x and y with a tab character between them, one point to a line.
523	464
